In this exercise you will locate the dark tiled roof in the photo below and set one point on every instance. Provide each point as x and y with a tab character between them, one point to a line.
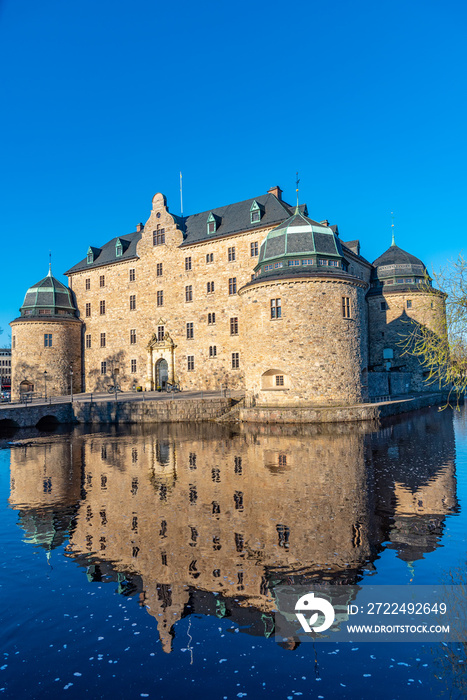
236	217
396	256
48	294
106	254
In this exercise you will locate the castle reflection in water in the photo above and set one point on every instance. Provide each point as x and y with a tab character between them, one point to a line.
208	519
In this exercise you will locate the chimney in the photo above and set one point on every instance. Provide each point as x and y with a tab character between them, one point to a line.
139	227
277	192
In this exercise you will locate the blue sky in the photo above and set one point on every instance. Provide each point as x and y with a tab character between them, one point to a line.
105	102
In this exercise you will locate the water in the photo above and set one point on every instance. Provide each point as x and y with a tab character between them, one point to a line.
143	563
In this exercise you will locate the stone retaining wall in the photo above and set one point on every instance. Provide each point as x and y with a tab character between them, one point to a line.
170	411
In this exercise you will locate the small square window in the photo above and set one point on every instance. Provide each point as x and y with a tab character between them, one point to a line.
384	306
188	263
231	254
87	284
132	274
279	380
47	340
133	366
209	257
210	287
160	333
102	281
190	363
232	285
235	360
254	249
409	304
103	367
211	318
212	351
234	326
158	236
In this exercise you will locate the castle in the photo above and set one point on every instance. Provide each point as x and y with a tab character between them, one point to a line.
255	296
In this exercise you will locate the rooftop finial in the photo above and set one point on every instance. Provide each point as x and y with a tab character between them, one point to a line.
296	190
50	263
392	228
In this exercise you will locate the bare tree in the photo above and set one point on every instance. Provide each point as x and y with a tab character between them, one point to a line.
440	342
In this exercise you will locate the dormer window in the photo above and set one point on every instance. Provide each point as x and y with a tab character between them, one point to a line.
256	211
90	258
212	223
118	248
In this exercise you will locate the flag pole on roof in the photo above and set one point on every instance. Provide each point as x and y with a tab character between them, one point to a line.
392	228
50	263
181	194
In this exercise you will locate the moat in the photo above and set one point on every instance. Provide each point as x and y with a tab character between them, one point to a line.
143	561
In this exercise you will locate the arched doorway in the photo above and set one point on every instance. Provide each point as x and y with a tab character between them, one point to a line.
26	387
162	374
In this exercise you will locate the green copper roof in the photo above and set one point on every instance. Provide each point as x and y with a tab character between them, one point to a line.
48	297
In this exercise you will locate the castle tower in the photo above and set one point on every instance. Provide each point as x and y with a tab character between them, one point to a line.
305	318
46	341
400	295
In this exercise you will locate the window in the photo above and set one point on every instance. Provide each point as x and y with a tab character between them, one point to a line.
231	254
102	307
210	287
255	216
211	223
132	274
276	309
308	261
47	340
103	367
255	212
333	263
189	293
158	236
189	331
87	283
159	270
102	281
234	326
14	341
188	263
254	249
133	366
88	340
384	306
409	304
160	298
160	333
211	319
279	264
322	262
133	336
90	256
346	307
102	340
279	380
209	257
132	302
235	360
88	309
268	267
232	285
191	363
212	351
118	248
291	263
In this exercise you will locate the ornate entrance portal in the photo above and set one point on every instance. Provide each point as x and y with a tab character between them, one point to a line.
161	366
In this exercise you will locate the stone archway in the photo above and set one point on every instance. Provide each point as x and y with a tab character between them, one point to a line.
160	347
161	374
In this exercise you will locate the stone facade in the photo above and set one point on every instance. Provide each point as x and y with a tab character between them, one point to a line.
194	301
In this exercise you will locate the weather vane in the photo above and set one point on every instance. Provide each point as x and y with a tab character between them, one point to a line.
296	190
392	228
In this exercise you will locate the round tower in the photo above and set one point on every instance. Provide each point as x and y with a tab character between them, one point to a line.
306	319
46	341
400	297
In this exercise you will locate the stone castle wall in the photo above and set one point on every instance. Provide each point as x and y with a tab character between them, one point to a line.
391	327
31	358
321	355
